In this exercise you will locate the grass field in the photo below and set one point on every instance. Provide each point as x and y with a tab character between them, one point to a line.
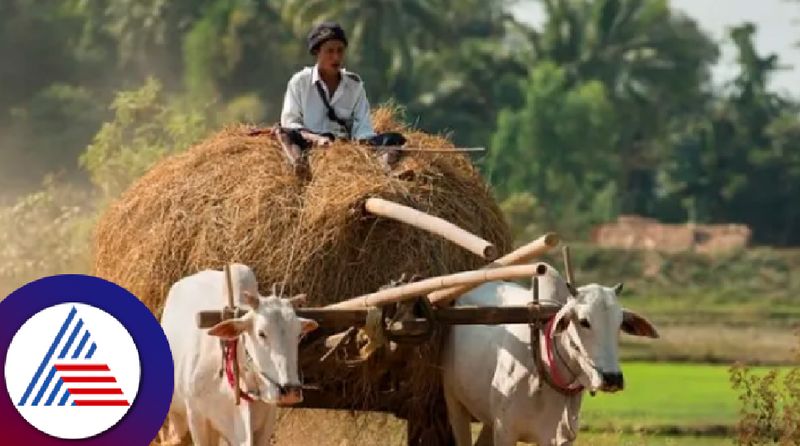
744	306
662	404
606	439
665	394
714	343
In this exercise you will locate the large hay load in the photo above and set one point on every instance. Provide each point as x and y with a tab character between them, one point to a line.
233	198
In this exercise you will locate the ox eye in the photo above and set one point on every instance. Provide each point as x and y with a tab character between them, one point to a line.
585	323
262	335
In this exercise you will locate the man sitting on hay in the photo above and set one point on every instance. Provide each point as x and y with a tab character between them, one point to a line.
326	102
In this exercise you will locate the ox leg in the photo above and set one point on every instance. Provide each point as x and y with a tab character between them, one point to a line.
262	437
459	419
502	437
234	425
200	430
175	430
486	437
263	434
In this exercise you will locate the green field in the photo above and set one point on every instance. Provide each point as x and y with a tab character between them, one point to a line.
660	402
605	439
663	396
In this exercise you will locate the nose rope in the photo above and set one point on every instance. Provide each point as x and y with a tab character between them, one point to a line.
566	362
563	386
229	352
552	346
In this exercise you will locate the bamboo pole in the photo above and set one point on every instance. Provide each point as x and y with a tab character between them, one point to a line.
435	225
523	254
412	290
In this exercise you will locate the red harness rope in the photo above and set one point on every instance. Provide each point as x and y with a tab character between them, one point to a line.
230	357
558	379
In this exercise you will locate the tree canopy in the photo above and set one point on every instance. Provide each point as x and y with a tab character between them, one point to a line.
607	107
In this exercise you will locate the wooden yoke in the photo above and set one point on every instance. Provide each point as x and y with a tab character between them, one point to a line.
342	318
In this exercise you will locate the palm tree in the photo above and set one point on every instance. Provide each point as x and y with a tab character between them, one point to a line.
654	63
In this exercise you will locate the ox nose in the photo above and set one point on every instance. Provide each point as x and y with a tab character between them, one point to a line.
290	394
613	382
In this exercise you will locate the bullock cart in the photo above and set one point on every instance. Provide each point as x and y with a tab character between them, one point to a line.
385	324
339	233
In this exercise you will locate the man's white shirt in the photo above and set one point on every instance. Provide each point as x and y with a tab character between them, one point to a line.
303	107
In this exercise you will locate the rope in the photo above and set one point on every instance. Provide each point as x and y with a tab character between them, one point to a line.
536	351
230	358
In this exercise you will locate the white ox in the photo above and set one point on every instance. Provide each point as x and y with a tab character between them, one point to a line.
489	373
267	337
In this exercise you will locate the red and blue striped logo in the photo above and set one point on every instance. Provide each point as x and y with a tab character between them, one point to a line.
73	377
73	370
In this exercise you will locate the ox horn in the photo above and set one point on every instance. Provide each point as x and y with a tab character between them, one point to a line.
250	300
573	289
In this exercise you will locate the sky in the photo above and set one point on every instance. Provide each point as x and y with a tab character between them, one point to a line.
778	23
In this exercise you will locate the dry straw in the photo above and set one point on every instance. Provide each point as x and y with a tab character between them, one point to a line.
233	198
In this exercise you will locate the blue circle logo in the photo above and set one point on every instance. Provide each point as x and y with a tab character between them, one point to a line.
83	360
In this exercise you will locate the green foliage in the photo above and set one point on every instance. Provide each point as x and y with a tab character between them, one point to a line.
653	64
240	48
47	113
604	108
245	108
60	116
561	148
44	233
204	54
739	161
147	126
524	215
769	406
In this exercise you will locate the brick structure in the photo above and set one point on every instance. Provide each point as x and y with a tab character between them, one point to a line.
636	232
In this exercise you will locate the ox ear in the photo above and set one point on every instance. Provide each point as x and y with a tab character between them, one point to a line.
308	325
636	325
618	288
298	300
230	329
251	300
